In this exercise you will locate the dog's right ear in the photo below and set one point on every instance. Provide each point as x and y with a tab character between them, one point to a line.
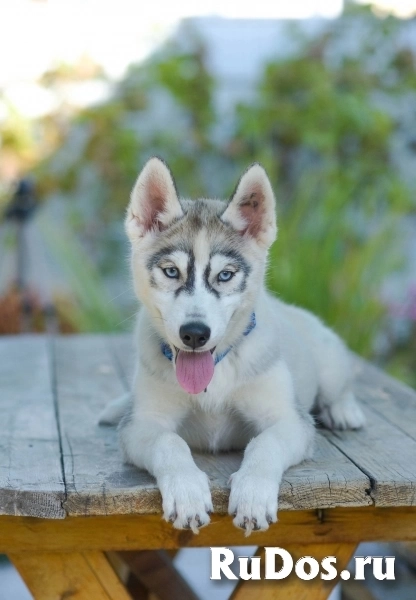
154	203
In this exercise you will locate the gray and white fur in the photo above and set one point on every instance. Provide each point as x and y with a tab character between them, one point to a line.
262	391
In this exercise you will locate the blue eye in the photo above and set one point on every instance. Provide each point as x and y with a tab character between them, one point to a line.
225	275
171	272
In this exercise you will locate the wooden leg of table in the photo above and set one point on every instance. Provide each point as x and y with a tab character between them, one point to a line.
155	570
134	587
72	576
293	588
144	572
355	590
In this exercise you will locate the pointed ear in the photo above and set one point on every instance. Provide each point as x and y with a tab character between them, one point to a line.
154	202
252	207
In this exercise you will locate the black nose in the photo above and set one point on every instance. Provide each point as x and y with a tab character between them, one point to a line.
194	334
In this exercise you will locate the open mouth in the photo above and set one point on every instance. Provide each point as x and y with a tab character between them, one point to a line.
194	369
177	350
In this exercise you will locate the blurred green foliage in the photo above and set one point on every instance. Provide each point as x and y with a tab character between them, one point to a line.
307	115
327	148
88	308
319	122
323	262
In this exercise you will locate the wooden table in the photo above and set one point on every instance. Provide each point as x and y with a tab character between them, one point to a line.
67	502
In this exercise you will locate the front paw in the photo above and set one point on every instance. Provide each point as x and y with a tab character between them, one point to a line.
186	499
253	501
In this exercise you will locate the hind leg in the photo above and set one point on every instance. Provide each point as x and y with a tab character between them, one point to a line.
337	407
343	413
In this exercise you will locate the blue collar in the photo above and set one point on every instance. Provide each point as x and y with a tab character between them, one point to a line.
251	325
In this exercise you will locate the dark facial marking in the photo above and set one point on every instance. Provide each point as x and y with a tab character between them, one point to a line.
189	284
157	256
164	251
207	273
240	262
235	256
243	284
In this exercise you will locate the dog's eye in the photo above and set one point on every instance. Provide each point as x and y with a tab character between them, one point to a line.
225	275
171	272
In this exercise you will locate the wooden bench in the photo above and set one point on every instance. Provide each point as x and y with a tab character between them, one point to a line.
67	501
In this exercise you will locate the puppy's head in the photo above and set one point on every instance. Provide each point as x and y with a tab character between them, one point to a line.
199	265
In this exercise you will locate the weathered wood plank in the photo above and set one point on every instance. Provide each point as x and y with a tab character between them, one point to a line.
329	479
150	532
97	480
292	587
386	455
31	479
386	448
81	576
91	370
390	398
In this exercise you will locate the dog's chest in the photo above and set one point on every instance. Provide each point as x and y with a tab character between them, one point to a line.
223	430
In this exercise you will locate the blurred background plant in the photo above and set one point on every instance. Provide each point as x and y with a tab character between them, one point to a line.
334	123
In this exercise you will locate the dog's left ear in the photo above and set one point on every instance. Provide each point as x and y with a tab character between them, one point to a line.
252	207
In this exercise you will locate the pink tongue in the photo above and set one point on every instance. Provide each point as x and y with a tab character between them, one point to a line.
194	370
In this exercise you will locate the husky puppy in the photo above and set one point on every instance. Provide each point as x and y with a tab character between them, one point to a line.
221	363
